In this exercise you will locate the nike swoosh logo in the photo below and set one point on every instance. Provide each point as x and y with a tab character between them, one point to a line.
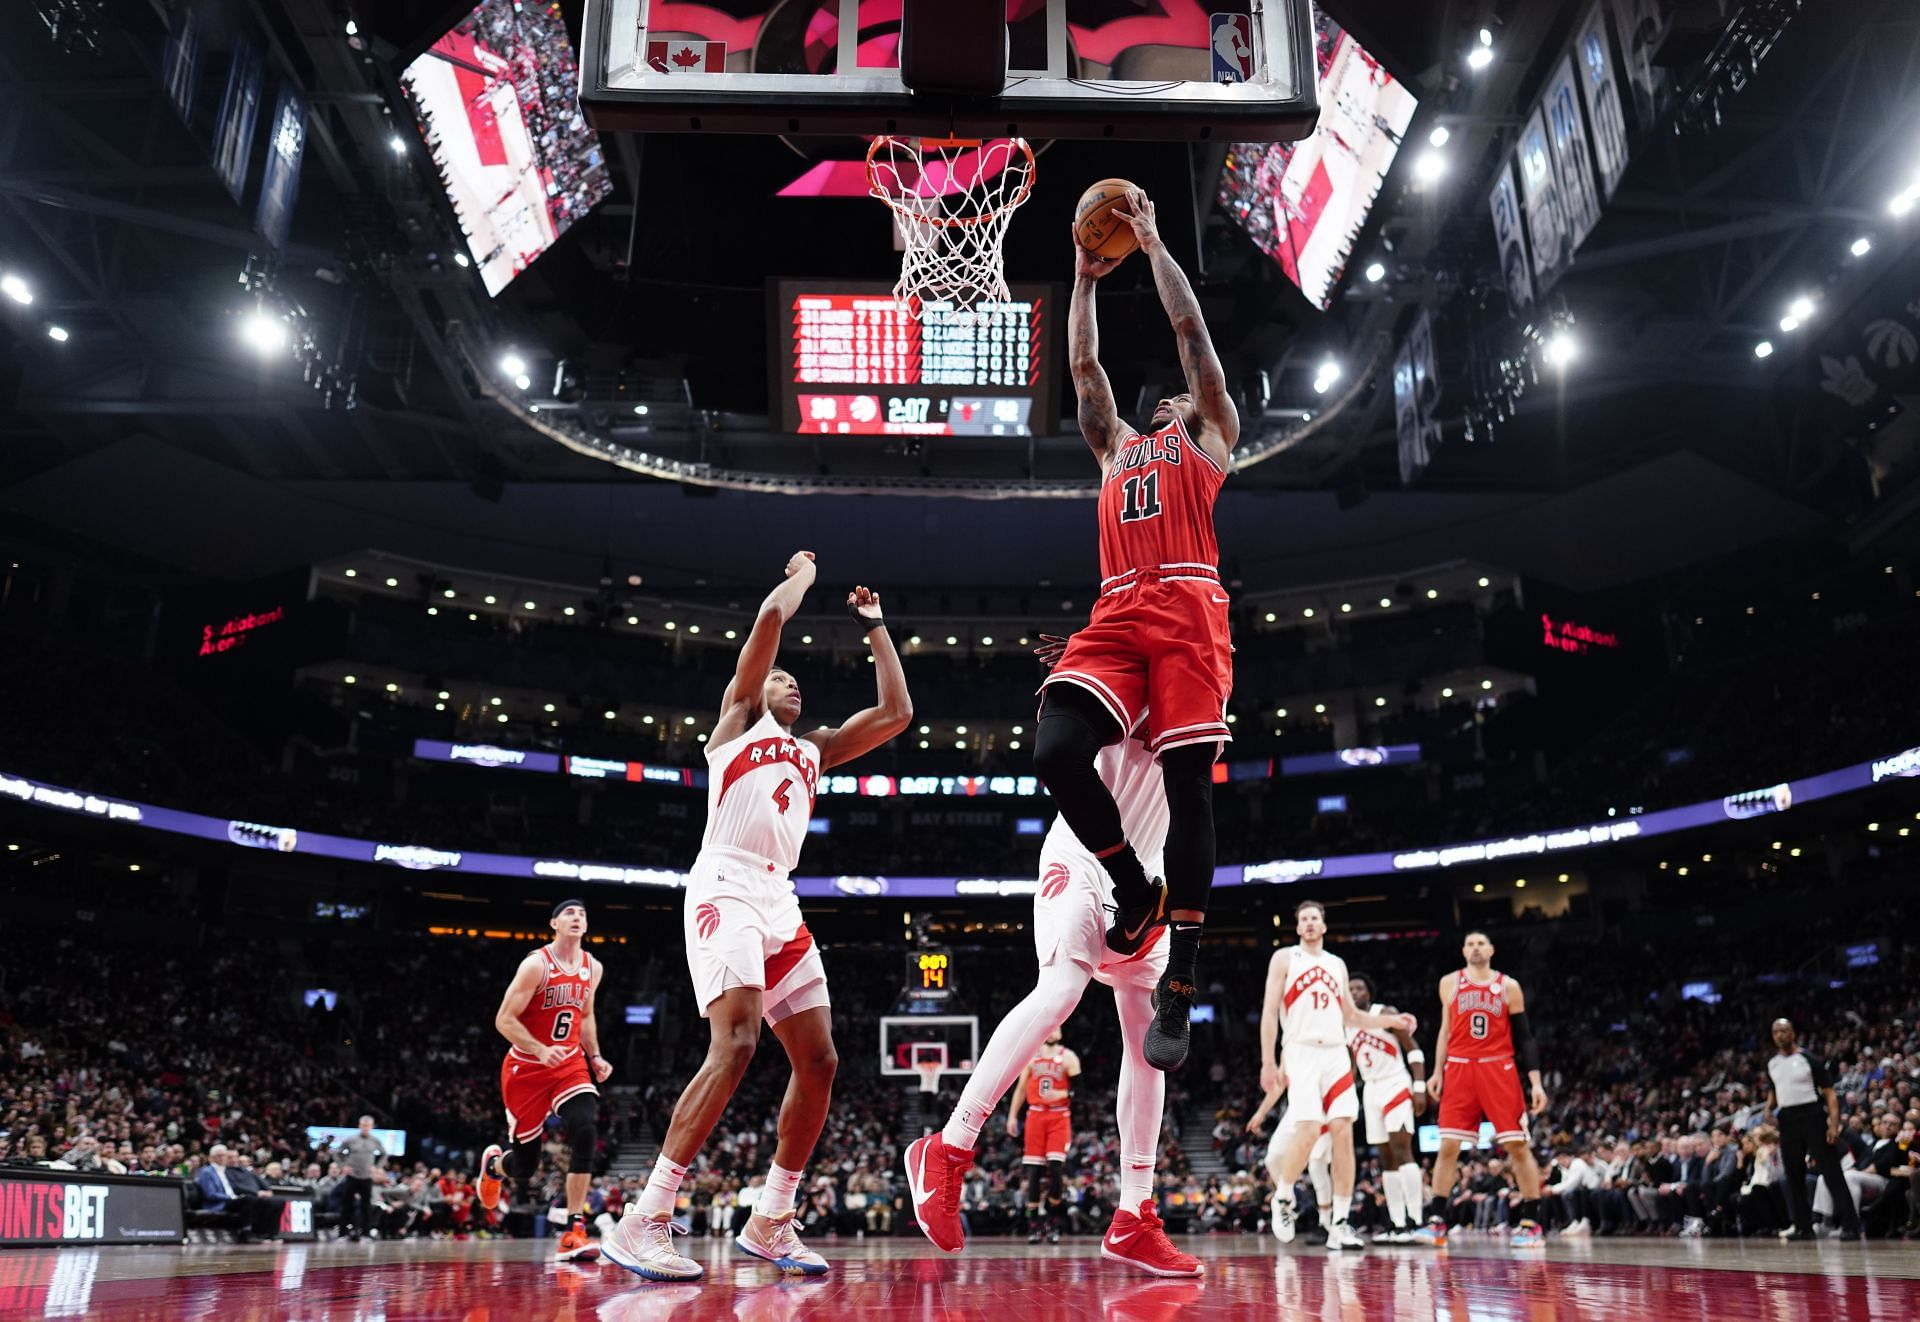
920	1192
1220	601
1133	933
1121	1239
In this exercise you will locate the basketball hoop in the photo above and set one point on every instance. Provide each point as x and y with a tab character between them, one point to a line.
952	200
929	1072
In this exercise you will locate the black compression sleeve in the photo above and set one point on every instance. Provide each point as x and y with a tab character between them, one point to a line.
1528	1049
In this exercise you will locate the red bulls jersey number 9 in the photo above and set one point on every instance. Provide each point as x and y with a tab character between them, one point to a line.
1480	1029
1156	504
554	1013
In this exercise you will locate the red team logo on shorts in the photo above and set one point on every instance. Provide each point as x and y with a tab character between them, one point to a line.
707	919
1055	881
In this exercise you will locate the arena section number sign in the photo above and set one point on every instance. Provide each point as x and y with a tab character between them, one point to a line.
848	360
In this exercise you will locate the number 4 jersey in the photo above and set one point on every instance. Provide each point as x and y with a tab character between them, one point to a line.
1156	647
760	792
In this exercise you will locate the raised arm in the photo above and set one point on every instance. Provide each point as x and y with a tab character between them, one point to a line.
1206	379
892	710
1099	415
741	705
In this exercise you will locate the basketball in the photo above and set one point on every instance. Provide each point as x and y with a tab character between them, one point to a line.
1099	231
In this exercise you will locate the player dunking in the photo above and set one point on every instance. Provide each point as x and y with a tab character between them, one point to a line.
1069	918
1390	1099
1045	1089
553	1062
1157	639
1309	992
1483	1018
750	954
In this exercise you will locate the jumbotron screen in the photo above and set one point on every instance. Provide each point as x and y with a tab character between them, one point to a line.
496	99
848	360
1304	203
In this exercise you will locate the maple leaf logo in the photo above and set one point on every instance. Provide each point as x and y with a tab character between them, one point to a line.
685	57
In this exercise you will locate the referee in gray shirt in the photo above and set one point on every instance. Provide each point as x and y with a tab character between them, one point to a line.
1808	1112
362	1151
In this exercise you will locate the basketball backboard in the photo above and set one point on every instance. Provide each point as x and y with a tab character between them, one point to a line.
1233	70
911	1040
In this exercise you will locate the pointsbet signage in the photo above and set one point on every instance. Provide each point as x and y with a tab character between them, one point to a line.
60	1207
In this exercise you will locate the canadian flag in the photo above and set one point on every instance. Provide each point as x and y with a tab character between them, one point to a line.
687	56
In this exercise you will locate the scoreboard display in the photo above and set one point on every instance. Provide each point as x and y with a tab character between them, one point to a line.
849	360
929	975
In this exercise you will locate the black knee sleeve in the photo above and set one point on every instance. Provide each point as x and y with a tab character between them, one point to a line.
1034	1174
1056	1181
1073	730
581	1116
1188	775
522	1161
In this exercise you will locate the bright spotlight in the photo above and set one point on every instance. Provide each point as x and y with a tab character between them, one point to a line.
353	28
1440	135
512	364
1481	57
265	333
1376	272
640	410
462	260
1328	374
1789	323
1429	167
16	289
1900	205
1801	307
58	334
1861	246
1764	349
523	381
397	145
1562	349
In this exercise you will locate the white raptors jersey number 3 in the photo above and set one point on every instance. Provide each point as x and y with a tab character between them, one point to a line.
1311	1007
760	791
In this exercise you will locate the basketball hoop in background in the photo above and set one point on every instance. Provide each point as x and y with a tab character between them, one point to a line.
952	200
929	1062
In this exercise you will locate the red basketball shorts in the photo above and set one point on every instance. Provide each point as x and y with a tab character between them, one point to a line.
1049	1135
1159	650
1476	1090
531	1091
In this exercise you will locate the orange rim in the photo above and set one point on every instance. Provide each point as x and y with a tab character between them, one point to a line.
947	222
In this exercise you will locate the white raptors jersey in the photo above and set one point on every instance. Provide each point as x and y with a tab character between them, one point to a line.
760	792
1132	775
1378	1054
1312	1013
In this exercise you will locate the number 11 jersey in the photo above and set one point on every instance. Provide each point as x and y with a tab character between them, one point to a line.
761	787
1156	505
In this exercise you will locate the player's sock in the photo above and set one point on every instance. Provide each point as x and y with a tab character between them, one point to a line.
1183	948
1342	1209
776	1199
1396	1199
1410	1190
1136	1180
1130	884
662	1187
1530	1209
964	1125
1436	1208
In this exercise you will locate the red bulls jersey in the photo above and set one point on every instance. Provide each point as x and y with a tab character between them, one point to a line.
554	1011
1047	1082
1480	1029
1156	506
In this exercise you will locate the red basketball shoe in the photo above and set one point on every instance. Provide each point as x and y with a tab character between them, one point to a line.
935	1173
1140	1240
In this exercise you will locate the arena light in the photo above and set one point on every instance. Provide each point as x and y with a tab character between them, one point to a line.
1562	349
1440	136
1486	684
491	600
1386	603
1281	713
1433	594
548	708
393	582
1319	709
1379	702
1861	246
530	606
568	612
1346	608
397	145
1019	729
691	628
1307	614
732	634
1429	166
1482	55
959	729
16	289
987	641
687	721
392	687
1271	617
926	729
806	638
1376	272
1446	693
1789	323
633	619
1484	583
1325	376
353	28
523	382
512	364
640	410
350	679
952	641
58	334
1764	349
1801	307
352	573
266	334
443	695
1902	202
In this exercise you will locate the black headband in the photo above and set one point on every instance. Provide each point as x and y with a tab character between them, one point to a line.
565	905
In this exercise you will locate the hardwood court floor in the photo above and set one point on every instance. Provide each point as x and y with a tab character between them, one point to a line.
905	1280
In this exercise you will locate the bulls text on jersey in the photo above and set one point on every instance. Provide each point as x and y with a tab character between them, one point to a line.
1147	450
1472	998
560	995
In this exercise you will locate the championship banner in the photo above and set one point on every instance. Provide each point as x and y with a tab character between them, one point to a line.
1541	204
239	112
1426	383
280	183
1593	57
41	1206
1406	415
1643	26
1572	157
180	60
1509	236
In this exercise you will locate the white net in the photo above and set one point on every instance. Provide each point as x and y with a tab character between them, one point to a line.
952	202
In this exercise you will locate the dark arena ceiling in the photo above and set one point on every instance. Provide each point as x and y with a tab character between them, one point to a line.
1769	167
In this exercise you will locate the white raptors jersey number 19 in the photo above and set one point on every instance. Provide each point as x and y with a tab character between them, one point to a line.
760	791
1312	1012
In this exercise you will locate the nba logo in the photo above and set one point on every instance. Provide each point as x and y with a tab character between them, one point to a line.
1232	48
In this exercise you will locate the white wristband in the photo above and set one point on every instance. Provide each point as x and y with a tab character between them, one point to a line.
1420	1085
1416	1057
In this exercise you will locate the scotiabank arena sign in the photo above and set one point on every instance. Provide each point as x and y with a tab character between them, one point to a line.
42	1207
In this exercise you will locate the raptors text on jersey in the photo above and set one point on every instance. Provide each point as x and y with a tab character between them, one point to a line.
760	793
1377	1053
1312	1011
1156	505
